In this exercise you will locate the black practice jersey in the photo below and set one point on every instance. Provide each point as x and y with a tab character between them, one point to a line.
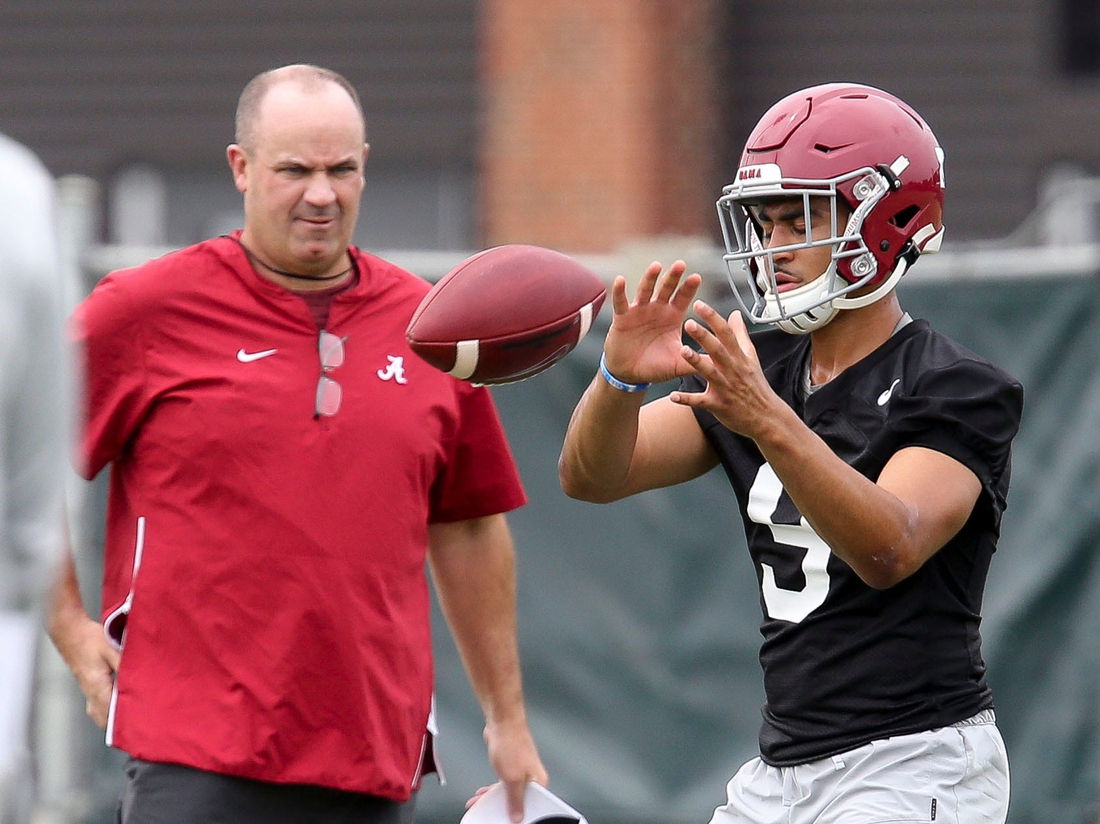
844	663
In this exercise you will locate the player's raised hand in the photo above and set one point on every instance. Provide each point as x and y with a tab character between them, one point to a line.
643	343
737	392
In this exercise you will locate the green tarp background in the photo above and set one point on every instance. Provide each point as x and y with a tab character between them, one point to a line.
638	620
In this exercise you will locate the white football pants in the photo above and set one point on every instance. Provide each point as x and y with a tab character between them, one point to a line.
953	775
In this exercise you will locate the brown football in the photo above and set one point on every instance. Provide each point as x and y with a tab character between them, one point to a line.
506	314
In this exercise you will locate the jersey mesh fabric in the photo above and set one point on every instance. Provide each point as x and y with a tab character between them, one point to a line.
863	664
277	625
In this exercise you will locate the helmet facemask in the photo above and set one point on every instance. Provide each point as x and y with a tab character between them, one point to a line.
751	263
843	143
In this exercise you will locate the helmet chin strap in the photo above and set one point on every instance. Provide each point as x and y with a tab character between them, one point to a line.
880	291
806	322
817	317
778	310
906	259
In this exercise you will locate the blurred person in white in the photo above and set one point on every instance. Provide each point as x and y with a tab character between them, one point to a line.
34	399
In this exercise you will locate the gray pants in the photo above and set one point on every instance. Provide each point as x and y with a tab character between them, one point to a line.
19	633
953	775
17	793
173	794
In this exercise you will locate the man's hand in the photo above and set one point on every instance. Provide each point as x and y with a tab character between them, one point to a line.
81	641
737	392
93	660
514	758
643	343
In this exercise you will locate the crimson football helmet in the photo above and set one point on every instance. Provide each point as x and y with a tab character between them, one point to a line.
849	143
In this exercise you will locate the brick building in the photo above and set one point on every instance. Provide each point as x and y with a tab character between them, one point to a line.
582	124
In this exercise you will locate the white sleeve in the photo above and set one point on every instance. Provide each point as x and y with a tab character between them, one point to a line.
35	389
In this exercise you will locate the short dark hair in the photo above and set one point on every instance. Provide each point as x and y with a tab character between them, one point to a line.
304	74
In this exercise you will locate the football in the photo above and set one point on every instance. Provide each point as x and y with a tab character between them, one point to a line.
506	314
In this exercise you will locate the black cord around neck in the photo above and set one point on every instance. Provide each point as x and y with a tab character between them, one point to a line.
311	278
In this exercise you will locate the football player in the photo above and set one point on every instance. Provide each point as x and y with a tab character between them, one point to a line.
868	455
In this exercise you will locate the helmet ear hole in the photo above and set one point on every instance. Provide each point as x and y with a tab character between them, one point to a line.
902	218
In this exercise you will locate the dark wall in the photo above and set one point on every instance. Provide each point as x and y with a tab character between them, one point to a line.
989	76
99	87
94	86
91	85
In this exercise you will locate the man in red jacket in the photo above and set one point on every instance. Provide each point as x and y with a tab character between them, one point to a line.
282	468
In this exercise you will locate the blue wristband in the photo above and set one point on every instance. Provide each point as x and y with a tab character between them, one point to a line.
615	383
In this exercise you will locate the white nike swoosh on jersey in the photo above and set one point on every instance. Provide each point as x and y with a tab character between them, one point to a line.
885	396
248	357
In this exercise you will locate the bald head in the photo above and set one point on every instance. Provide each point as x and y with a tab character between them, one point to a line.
298	161
307	77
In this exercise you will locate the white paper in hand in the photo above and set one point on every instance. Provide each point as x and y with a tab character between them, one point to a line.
540	806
